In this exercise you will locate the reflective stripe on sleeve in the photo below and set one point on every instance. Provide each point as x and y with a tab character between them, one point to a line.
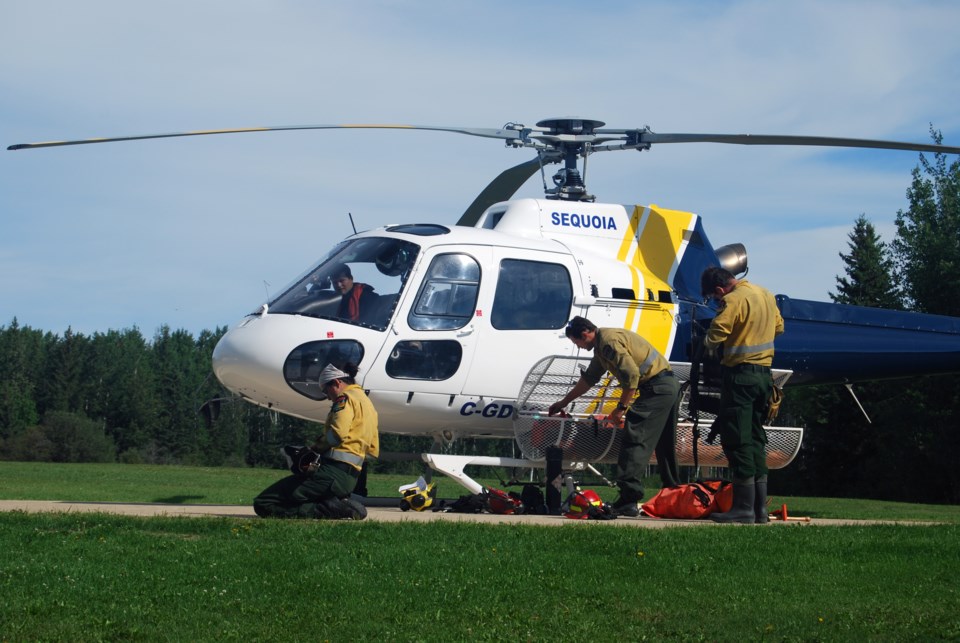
345	456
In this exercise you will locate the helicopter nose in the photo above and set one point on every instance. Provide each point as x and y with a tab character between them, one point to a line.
248	360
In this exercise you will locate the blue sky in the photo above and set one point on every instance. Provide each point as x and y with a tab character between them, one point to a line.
192	233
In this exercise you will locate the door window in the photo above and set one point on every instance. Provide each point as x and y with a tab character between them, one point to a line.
448	297
531	295
425	360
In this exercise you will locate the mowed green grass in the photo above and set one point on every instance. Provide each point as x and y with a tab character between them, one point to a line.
105	577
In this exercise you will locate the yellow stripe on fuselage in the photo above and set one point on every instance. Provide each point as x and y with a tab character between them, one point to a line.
661	239
628	255
651	247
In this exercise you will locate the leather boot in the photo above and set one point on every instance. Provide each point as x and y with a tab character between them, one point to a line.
339	508
328	508
760	512
744	492
353	508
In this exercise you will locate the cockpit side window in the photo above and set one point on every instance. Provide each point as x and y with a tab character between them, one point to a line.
358	283
448	297
531	295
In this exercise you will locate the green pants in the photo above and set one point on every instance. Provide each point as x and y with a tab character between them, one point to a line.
743	404
650	423
298	496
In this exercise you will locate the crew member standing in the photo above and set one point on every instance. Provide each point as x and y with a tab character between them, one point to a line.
745	326
350	435
649	395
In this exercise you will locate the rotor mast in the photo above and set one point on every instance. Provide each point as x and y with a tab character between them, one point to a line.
571	139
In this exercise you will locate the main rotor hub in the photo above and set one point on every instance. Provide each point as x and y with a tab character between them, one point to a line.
571	139
571	125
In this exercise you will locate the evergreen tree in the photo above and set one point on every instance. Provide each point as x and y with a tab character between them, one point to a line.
927	247
63	387
180	373
869	269
19	352
122	388
927	252
844	454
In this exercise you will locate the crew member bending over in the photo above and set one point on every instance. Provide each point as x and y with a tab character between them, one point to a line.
649	395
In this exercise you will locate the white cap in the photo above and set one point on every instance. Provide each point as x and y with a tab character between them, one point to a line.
330	373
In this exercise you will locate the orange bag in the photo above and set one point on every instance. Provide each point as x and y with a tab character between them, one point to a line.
692	500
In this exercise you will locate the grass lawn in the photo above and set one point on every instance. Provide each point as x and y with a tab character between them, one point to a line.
104	577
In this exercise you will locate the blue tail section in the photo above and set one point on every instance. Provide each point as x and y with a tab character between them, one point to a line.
826	343
698	256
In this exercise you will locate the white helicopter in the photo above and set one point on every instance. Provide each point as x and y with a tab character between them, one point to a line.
461	330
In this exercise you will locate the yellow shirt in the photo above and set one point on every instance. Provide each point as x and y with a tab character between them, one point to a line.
630	358
746	325
351	428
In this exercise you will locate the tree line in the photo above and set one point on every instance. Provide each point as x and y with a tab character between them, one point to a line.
908	450
117	396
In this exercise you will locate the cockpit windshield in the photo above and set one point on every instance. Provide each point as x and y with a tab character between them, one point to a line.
359	282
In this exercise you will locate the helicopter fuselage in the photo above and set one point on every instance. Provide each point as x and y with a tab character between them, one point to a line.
461	314
455	317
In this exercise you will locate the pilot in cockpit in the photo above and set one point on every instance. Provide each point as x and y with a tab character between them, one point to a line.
355	296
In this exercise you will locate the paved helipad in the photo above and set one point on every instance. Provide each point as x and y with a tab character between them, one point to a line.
377	514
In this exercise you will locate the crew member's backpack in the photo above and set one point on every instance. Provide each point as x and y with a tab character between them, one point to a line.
692	500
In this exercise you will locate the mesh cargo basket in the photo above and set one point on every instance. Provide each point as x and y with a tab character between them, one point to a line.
585	437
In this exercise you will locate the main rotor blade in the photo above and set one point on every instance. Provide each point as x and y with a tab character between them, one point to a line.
774	139
500	189
506	134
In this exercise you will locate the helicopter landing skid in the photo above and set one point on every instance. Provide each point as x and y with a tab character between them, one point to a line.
452	466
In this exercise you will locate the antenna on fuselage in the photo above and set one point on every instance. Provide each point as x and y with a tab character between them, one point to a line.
351	223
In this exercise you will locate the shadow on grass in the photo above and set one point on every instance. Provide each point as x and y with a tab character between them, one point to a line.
178	500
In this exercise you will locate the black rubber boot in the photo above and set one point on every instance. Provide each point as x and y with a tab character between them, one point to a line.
353	509
340	508
328	509
626	507
760	512
744	493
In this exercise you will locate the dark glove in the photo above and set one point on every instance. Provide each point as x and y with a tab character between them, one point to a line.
301	460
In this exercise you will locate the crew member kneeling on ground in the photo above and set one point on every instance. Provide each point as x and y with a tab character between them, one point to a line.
350	435
649	395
